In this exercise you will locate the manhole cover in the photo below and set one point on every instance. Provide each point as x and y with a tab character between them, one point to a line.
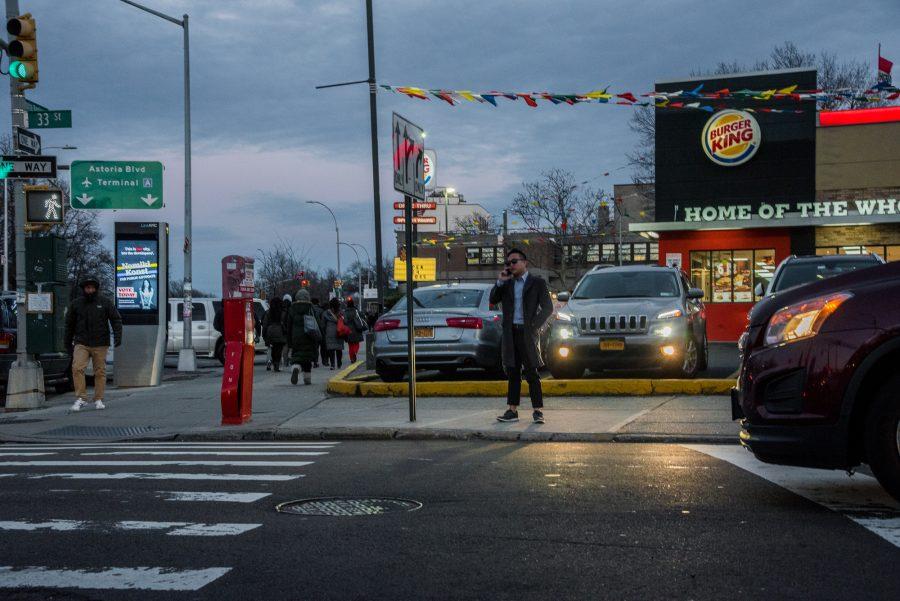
342	506
98	431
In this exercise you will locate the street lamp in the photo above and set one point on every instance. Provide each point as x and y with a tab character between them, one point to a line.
187	360
337	234
358	272
368	260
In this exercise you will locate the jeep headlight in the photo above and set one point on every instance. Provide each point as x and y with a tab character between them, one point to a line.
664	331
804	319
563	316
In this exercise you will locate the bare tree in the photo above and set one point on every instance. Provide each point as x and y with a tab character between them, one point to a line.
556	205
176	290
475	223
277	267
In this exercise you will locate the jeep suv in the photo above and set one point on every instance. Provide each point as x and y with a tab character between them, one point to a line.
819	384
633	317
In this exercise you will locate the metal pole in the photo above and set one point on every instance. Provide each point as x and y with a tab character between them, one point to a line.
25	383
337	234
410	329
5	236
368	259
187	360
373	117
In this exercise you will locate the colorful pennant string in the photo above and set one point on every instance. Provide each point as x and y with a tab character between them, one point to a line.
696	99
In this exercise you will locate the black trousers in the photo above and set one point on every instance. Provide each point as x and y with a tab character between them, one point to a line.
277	348
523	369
336	358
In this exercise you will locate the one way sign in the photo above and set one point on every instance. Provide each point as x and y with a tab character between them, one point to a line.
27	167
27	142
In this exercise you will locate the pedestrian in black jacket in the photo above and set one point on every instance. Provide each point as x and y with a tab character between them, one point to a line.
88	320
525	301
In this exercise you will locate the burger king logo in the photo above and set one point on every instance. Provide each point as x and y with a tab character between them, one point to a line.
731	138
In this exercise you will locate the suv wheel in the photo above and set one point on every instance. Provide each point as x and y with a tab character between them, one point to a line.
703	359
391	374
220	350
691	361
882	436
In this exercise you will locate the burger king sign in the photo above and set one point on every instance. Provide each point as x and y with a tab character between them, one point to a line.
731	138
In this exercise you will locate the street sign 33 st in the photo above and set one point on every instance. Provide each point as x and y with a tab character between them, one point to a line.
117	185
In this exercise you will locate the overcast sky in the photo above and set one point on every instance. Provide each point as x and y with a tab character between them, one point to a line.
265	140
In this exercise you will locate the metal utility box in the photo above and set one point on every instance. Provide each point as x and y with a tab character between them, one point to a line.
45	259
47	330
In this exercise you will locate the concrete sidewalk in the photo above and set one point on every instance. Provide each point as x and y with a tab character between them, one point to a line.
189	409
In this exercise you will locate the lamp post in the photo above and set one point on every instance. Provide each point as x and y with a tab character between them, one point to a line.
187	360
337	234
368	259
358	272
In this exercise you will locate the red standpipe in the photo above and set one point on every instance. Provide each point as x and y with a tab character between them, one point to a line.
237	379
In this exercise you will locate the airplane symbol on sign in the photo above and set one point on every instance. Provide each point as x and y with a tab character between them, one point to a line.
86	183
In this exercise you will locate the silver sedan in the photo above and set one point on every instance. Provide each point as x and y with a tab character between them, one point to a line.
454	324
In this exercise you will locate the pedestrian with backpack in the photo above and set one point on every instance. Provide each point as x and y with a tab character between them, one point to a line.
303	335
357	326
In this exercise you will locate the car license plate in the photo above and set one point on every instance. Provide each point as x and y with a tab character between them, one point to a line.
612	345
423	332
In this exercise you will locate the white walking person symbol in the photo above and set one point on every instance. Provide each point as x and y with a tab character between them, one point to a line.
53	206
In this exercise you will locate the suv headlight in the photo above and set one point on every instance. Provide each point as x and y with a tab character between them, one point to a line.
670	314
563	316
804	319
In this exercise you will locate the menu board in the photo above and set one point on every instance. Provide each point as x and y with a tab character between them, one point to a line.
137	275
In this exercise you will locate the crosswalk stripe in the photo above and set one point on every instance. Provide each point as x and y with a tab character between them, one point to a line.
859	498
161	476
4	464
219	497
170	528
141	578
23	454
225	453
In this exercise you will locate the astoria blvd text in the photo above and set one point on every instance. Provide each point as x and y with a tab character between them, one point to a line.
830	208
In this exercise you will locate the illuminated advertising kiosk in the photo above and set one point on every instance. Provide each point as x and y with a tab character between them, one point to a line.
748	182
141	296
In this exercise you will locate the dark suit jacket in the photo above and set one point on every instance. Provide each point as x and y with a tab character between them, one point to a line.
536	310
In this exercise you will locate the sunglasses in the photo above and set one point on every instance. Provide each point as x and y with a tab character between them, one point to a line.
512	262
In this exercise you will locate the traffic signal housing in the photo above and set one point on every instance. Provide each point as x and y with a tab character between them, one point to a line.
23	60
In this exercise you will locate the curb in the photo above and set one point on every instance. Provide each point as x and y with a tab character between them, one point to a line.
340	385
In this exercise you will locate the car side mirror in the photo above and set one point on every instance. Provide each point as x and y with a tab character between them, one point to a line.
562	297
695	293
759	290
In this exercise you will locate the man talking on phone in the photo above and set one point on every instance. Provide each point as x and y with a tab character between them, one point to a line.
525	301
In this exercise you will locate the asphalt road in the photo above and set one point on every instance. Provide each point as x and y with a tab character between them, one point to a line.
498	521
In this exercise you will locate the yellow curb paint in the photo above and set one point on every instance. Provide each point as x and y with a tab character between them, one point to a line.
551	387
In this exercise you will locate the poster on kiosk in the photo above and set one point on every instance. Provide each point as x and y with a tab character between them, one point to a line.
140	294
237	304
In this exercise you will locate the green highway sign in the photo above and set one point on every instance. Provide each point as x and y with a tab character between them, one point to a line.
117	185
49	119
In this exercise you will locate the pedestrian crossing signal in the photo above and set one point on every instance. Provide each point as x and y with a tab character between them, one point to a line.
23	49
43	205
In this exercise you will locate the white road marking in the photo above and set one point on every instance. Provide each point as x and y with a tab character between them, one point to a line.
153	463
228	453
859	498
239	445
17	454
142	578
220	497
170	528
163	476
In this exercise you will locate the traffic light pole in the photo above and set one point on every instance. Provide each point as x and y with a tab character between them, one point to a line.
187	360
25	386
376	185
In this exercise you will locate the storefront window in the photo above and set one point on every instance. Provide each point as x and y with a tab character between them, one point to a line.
609	253
826	251
654	251
700	272
625	252
593	253
499	255
640	252
722	277
487	255
727	276
473	257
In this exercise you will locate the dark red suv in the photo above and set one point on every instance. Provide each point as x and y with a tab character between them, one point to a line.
819	384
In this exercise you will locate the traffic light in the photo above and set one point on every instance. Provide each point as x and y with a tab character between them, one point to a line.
304	283
23	49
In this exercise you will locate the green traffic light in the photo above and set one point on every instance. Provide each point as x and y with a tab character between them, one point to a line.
18	70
